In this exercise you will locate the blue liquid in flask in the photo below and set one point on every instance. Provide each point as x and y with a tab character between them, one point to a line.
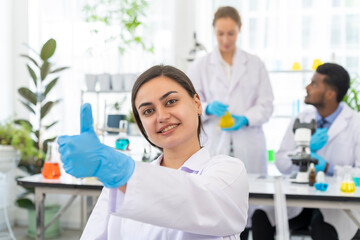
122	144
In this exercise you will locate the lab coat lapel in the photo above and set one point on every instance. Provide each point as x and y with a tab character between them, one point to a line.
239	68
340	122
197	160
220	74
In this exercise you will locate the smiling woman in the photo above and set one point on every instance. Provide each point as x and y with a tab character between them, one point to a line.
192	196
168	108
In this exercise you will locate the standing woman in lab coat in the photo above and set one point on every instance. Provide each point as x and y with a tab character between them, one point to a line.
232	80
184	194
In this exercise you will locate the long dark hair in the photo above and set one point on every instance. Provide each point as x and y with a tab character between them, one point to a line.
154	72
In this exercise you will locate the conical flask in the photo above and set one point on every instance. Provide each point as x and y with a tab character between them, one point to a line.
122	143
226	121
51	168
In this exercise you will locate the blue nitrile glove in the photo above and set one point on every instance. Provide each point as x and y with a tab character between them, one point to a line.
319	139
84	156
216	108
320	166
240	121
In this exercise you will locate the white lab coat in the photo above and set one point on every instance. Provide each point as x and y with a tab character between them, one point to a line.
163	203
248	93
342	148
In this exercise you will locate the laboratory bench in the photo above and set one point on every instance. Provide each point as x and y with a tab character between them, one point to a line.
262	191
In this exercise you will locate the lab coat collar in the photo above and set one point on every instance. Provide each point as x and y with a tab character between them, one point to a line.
238	67
194	164
340	122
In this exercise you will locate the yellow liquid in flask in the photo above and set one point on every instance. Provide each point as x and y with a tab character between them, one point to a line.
347	187
226	121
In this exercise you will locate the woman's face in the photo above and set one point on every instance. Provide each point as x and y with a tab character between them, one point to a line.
226	31
167	112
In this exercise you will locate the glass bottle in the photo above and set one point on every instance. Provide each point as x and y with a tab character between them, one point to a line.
226	121
347	184
312	174
51	168
122	142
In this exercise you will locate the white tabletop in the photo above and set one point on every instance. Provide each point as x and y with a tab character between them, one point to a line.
264	187
65	181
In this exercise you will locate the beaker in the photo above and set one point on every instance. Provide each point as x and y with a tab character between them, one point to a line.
356	176
347	184
51	168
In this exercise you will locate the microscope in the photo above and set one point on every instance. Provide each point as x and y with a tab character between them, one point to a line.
303	132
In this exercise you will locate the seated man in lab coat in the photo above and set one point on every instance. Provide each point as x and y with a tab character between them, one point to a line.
336	142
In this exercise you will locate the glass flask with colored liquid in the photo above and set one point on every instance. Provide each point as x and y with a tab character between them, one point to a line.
122	142
226	121
51	168
347	184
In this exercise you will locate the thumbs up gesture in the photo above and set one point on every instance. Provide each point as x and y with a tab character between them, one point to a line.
84	156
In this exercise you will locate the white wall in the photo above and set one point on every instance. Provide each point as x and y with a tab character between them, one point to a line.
6	102
14	32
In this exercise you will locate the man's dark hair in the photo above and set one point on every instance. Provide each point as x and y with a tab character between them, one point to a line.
336	77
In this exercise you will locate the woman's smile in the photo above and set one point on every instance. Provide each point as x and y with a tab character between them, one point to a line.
168	129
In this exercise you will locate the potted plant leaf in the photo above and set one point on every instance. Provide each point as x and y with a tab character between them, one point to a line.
122	26
126	15
133	129
352	97
44	77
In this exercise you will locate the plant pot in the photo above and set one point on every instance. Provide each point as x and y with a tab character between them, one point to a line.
50	212
116	82
9	158
133	130
90	81
104	81
128	81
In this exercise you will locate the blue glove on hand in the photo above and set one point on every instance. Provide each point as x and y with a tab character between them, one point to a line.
216	108
240	121
84	156
321	162
319	139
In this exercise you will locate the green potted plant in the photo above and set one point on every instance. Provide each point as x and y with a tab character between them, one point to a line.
126	15
122	25
16	145
352	98
16	142
44	78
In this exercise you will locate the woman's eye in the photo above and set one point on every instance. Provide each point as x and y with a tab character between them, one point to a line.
148	111
171	101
